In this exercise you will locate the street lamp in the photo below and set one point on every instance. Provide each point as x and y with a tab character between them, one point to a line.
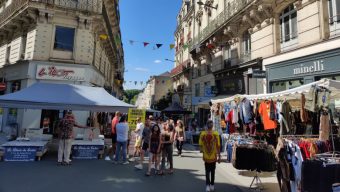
206	5
170	60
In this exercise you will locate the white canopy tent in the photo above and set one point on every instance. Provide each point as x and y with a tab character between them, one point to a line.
64	97
291	94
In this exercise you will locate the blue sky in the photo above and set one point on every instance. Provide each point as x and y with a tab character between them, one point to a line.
151	21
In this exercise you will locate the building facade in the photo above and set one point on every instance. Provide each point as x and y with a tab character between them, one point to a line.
64	41
156	88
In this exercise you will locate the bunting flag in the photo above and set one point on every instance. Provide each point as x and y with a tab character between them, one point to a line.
146	44
131	42
135	82
141	83
117	39
172	46
185	46
103	36
159	45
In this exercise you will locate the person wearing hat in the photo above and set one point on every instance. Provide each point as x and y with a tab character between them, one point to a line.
65	137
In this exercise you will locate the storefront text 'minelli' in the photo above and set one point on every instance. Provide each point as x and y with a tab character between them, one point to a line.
316	67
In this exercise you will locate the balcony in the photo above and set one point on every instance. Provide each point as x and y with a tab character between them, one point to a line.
93	6
245	56
235	7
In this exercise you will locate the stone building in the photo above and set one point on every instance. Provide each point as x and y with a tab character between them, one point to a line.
59	41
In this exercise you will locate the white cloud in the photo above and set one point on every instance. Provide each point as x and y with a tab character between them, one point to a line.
141	69
157	61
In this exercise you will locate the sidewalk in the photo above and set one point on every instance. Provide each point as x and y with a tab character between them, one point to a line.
241	178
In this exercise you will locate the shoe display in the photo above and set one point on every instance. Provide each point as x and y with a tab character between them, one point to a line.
139	166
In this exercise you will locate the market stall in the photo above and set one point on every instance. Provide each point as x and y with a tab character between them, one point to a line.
58	97
303	118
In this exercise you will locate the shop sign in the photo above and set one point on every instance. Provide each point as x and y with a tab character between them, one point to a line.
20	153
259	74
317	66
52	72
85	151
133	114
208	92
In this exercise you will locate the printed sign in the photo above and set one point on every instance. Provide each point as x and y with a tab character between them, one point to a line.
53	72
133	115
259	74
20	153
85	151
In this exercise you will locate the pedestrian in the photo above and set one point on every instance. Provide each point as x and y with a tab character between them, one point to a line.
180	136
122	131
167	139
65	137
112	150
139	135
154	148
209	143
145	143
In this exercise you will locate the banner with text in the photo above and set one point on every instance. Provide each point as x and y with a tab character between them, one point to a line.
133	115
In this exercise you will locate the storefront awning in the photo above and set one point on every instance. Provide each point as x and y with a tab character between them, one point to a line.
64	97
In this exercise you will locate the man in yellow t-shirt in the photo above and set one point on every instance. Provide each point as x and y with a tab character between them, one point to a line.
209	143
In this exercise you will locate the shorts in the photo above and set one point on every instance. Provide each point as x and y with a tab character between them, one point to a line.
114	138
145	146
138	143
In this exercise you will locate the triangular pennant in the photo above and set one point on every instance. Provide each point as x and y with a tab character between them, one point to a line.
141	83
117	39
172	46
131	42
159	45
145	44
135	82
185	46
103	36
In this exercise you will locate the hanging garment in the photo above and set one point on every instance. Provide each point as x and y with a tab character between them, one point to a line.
310	103
246	111
323	99
230	123
324	126
303	113
272	110
286	118
264	111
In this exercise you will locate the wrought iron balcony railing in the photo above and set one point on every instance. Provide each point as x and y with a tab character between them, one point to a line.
93	6
229	11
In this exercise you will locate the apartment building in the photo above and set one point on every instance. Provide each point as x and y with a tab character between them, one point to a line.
181	73
256	46
59	41
156	88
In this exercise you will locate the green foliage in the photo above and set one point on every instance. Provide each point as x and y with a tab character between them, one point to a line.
131	95
164	102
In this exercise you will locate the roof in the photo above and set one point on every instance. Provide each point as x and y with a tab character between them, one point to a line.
64	97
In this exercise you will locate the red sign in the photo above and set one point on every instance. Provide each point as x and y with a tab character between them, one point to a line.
52	72
2	86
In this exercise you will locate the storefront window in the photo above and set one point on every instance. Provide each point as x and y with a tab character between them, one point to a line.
197	90
64	38
285	85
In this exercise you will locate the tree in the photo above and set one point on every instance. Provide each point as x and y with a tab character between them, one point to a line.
131	95
164	102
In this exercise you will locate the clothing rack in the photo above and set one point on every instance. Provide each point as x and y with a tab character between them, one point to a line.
256	181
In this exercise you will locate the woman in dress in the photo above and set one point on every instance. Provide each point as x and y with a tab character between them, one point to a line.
180	136
154	147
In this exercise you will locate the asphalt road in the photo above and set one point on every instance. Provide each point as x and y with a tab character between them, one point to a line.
103	176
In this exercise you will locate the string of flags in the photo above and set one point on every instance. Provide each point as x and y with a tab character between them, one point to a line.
168	82
154	45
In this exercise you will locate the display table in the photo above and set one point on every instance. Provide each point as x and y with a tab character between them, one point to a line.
24	150
86	149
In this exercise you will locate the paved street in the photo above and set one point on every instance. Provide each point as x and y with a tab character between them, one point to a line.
100	175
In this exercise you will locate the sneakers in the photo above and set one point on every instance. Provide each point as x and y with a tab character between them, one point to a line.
132	159
139	166
126	162
212	188
107	158
207	189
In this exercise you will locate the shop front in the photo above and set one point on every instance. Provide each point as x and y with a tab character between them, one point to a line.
296	72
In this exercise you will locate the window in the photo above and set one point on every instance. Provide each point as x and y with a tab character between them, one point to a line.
334	16
246	47
64	38
197	90
288	27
